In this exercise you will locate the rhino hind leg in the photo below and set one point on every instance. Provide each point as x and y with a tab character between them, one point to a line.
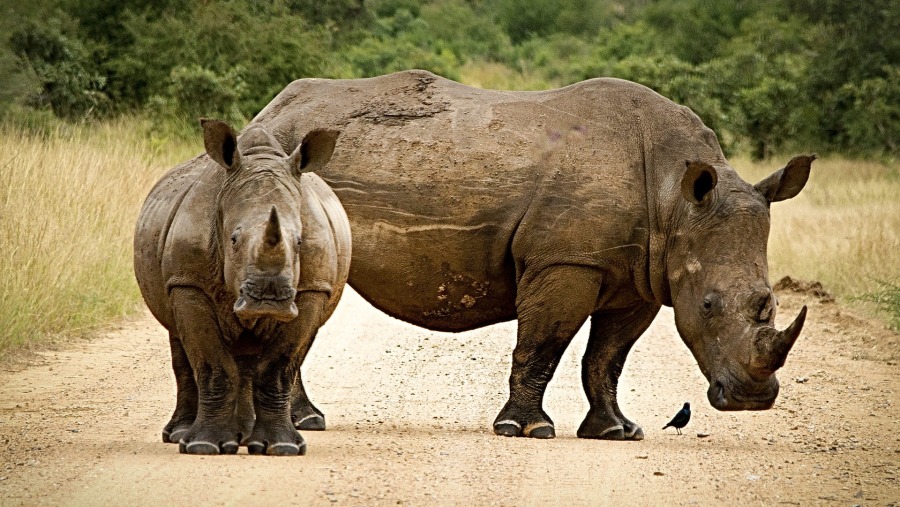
611	337
305	415
551	308
186	394
215	429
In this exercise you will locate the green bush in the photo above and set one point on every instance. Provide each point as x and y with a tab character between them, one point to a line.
69	81
194	92
872	122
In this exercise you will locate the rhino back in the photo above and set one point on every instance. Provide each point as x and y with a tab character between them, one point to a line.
452	191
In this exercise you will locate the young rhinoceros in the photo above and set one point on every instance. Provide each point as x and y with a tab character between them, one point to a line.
242	258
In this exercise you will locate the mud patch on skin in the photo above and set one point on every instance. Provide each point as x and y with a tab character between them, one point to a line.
406	104
458	292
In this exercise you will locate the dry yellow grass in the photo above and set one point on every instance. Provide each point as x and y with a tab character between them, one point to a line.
843	229
68	204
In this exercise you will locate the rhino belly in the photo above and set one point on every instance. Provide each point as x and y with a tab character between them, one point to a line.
439	276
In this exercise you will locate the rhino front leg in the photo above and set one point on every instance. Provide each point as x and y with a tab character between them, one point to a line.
551	307
276	373
611	337
186	394
305	415
215	429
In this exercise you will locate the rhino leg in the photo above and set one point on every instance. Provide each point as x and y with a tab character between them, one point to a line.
611	338
215	429
186	397
305	415
276	372
551	307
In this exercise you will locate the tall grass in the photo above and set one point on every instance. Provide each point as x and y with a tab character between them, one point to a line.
69	199
842	230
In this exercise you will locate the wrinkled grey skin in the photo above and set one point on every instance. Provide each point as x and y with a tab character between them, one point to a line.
242	254
601	200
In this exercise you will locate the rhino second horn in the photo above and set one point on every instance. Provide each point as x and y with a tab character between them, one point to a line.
772	347
273	228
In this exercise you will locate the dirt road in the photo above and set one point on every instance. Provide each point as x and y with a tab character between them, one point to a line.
409	414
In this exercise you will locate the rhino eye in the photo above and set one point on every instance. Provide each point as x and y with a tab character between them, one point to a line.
711	306
234	237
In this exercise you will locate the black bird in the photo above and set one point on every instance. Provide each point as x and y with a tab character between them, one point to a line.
681	418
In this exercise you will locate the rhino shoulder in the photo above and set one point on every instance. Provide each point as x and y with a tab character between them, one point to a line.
189	246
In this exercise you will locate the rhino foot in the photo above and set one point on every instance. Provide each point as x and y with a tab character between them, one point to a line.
608	427
311	422
203	447
175	430
508	424
276	449
306	416
276	440
208	441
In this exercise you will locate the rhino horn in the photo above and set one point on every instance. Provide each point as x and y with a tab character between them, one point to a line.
273	229
772	346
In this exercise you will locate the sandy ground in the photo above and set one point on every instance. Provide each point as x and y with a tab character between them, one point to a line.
409	414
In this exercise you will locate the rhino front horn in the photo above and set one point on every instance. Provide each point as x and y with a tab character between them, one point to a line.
273	228
772	347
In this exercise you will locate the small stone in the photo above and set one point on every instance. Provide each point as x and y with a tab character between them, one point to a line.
642	456
752	477
801	380
702	435
658	473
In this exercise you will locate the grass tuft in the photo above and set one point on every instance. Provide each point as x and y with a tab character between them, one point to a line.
887	299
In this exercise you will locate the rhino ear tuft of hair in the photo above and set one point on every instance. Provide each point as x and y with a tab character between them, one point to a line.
698	181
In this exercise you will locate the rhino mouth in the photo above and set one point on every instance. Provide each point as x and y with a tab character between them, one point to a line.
279	305
725	395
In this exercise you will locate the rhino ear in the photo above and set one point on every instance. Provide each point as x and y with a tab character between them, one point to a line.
314	152
698	181
221	143
787	181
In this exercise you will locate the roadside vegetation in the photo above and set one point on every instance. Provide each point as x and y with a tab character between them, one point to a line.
69	199
99	98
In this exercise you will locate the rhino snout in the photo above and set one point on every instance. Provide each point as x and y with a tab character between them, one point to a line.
267	297
727	393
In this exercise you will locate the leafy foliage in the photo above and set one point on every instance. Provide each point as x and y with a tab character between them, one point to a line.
807	75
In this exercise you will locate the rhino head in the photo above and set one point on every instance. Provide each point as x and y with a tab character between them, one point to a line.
718	280
259	216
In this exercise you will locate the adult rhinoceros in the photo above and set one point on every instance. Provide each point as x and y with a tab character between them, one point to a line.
242	255
602	200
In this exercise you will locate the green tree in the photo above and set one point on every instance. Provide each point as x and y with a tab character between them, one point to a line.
69	81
